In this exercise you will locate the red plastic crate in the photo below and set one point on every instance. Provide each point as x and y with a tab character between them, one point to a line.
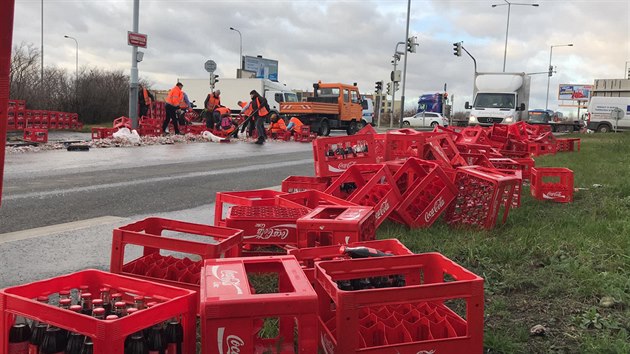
474	135
518	131
552	183
108	336
568	144
414	318
36	135
149	131
311	255
541	148
442	149
368	185
304	135
535	130
426	191
266	225
404	143
477	159
120	122
335	155
310	199
232	311
336	225
454	132
259	197
100	133
156	235
379	141
294	184
515	198
483	194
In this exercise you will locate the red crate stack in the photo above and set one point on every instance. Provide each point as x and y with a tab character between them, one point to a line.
542	145
335	155
66	120
481	197
233	311
259	197
102	133
404	143
426	191
108	336
336	225
476	159
11	120
294	184
36	118
379	142
408	319
552	183
156	236
518	131
149	127
568	144
266	225
36	135
310	199
158	110
20	119
368	185
311	255
304	134
535	130
442	149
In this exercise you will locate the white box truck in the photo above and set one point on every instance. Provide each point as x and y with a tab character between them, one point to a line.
234	90
600	116
499	98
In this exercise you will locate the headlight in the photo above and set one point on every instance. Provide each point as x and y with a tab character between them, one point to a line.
509	119
473	119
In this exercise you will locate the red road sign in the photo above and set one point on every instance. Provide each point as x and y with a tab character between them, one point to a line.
136	39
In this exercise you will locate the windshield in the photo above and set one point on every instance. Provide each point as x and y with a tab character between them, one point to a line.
495	100
328	92
539	117
290	97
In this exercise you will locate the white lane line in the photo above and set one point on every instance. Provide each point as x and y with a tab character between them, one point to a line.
96	187
59	228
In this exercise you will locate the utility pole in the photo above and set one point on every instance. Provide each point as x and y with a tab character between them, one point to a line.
409	49
133	84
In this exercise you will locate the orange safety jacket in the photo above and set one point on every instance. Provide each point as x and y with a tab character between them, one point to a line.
147	99
223	110
213	102
278	126
262	111
175	96
297	123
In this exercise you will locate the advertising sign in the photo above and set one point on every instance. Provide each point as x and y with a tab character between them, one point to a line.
430	103
574	92
136	39
264	68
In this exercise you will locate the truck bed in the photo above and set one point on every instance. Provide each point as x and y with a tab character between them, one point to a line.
308	108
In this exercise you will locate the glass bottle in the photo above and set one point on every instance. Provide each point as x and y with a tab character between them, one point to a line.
54	341
88	346
174	334
86	303
19	335
119	309
107	305
75	341
136	344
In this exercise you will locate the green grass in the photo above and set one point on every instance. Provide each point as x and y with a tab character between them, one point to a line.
551	263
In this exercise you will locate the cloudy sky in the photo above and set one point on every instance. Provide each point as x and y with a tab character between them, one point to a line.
340	40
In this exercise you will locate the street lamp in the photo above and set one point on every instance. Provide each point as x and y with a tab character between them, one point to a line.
240	58
551	69
507	27
76	70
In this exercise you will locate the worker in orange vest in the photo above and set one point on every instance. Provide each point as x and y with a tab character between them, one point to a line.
295	125
260	109
277	128
145	98
173	100
248	122
212	102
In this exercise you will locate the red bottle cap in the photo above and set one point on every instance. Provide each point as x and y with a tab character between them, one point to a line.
98	311
120	304
111	317
97	302
131	310
64	292
86	295
117	295
76	308
138	298
104	289
84	288
151	304
42	299
65	302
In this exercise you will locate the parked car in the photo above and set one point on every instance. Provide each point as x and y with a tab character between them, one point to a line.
425	120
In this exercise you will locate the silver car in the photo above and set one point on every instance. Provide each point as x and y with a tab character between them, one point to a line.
425	120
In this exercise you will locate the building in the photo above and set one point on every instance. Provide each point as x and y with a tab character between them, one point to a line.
611	88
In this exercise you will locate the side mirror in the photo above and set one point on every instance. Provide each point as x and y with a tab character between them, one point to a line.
467	105
522	107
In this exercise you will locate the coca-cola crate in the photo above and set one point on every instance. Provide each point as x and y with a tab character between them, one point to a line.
454	132
121	122
259	197
379	141
311	255
426	191
304	134
552	183
481	197
518	131
152	122
266	225
476	159
499	132
233	311
487	150
404	143
160	238
36	135
409	319
515	198
11	124
310	199
334	155
368	185
539	148
442	149
145	130
474	135
294	184
108	336
524	164
103	133
196	129
336	225
535	130
568	144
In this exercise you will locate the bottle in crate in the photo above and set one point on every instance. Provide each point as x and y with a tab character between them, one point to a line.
137	344
37	337
54	341
19	335
105	296
75	340
88	346
362	252
86	303
156	341
174	336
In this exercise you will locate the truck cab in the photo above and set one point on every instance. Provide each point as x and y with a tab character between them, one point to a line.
499	98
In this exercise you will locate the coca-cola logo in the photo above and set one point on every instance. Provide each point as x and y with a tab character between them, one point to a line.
553	195
382	209
327	344
437	206
227	277
426	352
233	343
341	167
280	232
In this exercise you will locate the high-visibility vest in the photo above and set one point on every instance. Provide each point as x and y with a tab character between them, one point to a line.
147	99
296	122
278	126
262	110
175	96
213	102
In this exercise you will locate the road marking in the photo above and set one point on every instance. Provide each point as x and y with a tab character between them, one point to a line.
59	228
97	187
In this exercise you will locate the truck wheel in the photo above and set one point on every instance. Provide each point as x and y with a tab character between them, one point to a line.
324	128
354	127
604	128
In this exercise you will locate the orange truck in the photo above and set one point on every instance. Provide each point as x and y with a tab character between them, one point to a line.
333	106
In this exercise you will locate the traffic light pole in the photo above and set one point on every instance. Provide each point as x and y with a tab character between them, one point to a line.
402	96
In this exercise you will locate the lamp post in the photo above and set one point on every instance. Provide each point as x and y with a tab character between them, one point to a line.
42	51
240	58
507	27
76	70
551	69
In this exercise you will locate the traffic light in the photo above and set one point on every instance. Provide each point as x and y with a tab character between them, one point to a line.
395	86
389	88
411	44
550	71
378	87
214	79
628	73
457	49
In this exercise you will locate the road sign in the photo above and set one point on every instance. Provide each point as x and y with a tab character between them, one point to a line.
616	114
210	66
136	39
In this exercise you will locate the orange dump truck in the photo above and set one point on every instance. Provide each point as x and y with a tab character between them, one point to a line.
333	106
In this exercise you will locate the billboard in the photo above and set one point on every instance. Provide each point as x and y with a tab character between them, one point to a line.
575	92
430	103
264	68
